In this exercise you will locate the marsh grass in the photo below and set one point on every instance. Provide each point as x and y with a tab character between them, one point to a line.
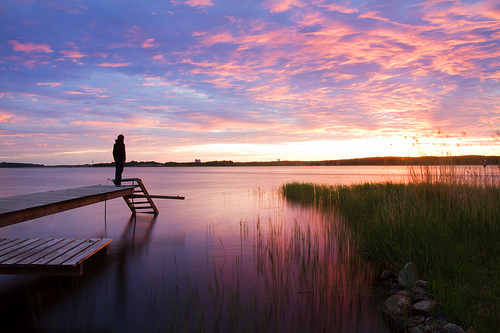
294	276
445	220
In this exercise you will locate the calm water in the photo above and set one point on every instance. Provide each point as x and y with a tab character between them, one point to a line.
234	256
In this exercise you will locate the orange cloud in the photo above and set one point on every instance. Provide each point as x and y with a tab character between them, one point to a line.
30	47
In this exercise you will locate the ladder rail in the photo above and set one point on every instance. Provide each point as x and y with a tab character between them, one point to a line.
139	188
141	194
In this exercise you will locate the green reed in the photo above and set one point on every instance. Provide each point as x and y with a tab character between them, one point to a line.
304	276
445	221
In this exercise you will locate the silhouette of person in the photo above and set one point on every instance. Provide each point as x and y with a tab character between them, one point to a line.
119	157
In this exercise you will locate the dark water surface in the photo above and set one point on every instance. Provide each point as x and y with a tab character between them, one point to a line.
234	256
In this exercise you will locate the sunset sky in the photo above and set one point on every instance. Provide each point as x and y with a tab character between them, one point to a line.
247	80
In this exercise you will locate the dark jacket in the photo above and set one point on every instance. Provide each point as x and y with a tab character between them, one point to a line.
119	150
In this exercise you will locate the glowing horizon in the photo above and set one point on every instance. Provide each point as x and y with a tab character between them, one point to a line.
261	81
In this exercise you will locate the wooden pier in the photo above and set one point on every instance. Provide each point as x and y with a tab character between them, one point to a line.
62	256
25	207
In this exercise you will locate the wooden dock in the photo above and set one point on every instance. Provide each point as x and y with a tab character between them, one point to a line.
49	256
30	206
60	256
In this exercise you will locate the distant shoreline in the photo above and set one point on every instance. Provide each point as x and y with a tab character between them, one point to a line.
374	161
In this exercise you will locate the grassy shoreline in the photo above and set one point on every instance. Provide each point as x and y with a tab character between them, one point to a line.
449	229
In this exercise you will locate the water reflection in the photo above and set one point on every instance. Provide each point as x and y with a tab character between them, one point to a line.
307	279
232	257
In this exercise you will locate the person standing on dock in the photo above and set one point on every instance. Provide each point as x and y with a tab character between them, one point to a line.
119	157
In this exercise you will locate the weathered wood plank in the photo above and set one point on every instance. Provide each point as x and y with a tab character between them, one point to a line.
88	252
17	244
46	251
8	242
30	206
34	252
26	246
54	256
51	256
74	251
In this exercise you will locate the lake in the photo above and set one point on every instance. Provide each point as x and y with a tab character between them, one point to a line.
234	256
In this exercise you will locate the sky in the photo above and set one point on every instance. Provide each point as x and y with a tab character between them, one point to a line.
247	80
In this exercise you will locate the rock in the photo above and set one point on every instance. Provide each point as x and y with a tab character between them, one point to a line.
452	328
386	274
404	293
397	306
408	276
415	320
425	307
418	297
421	283
428	328
415	330
437	321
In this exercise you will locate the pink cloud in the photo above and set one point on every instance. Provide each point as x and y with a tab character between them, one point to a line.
194	3
96	91
278	6
73	54
52	84
148	43
4	117
30	47
120	64
75	92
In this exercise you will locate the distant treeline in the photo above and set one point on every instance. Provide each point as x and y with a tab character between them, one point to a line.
19	165
391	160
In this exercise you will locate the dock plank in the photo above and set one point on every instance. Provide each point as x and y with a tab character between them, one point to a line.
27	255
6	243
52	256
26	246
15	245
46	251
88	252
73	252
48	258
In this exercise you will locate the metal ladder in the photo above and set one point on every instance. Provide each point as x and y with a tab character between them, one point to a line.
140	199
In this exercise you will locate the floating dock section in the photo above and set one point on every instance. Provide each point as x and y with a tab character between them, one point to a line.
48	256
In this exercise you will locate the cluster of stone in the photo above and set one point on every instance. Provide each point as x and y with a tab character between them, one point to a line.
409	307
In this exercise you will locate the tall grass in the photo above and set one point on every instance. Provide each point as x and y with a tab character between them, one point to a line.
446	223
293	275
